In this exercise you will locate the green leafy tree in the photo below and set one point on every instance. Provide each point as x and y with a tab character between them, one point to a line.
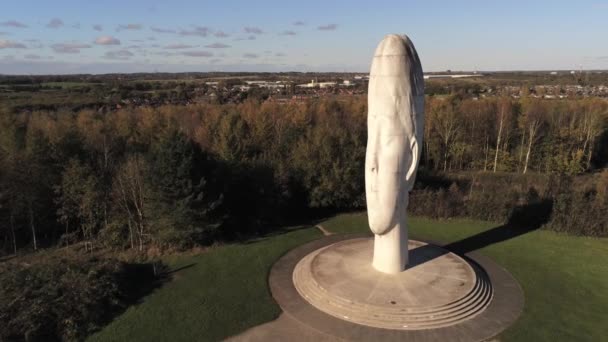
80	201
177	205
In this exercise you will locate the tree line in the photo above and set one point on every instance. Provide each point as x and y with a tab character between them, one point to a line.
175	176
502	134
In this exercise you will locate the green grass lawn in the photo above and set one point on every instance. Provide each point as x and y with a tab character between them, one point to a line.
224	291
216	294
565	278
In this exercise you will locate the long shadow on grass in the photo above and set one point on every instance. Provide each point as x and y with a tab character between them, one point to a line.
140	280
167	273
313	218
524	219
137	281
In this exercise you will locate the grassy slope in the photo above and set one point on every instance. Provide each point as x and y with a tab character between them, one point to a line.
565	280
216	294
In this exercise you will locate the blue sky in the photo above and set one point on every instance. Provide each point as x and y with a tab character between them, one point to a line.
222	35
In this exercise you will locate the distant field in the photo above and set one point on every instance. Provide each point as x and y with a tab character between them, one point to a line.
181	80
67	84
224	291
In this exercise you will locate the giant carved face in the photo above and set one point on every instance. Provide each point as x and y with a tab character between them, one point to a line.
395	125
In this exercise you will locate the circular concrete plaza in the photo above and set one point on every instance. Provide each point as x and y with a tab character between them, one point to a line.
331	286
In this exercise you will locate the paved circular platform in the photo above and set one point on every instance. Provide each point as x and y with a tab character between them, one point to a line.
438	288
442	296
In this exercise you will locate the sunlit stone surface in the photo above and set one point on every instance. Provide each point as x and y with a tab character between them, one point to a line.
395	128
438	289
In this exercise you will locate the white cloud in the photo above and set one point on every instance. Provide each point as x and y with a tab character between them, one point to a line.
13	23
253	30
250	55
69	47
129	27
328	27
200	31
246	38
163	53
7	44
198	54
55	23
162	30
118	54
221	34
97	27
178	46
288	33
217	46
107	40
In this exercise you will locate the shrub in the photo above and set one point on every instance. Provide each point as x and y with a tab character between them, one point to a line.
63	299
579	213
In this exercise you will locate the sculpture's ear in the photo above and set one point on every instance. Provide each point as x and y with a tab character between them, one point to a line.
410	176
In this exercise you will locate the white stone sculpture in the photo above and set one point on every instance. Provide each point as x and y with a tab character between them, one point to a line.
395	125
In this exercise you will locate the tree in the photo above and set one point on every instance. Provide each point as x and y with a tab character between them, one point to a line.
594	122
80	201
37	179
129	195
9	191
178	203
505	110
11	195
447	125
531	121
232	136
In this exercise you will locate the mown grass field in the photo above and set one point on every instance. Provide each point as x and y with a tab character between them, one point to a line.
212	295
224	291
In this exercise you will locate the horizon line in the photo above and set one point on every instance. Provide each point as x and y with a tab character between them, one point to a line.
447	71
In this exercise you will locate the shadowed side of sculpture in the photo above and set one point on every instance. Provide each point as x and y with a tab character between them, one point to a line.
395	127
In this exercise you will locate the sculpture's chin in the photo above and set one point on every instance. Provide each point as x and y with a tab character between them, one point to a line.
380	226
380	231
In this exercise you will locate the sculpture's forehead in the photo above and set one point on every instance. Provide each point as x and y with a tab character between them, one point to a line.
400	86
393	45
396	67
